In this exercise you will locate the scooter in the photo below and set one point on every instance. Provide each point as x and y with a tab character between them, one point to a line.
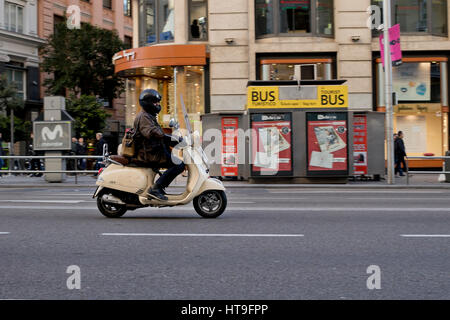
122	187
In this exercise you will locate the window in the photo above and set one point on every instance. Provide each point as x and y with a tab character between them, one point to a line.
419	16
127	8
294	17
107	4
198	20
13	17
128	42
18	78
156	21
57	20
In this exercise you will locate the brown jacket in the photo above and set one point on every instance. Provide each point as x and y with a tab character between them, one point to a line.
149	139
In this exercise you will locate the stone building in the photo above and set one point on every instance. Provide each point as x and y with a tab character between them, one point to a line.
208	50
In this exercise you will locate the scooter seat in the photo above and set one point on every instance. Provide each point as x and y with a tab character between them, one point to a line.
120	159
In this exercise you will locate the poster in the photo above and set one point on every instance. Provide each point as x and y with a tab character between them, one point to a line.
229	147
396	50
271	144
360	145
327	143
414	133
412	81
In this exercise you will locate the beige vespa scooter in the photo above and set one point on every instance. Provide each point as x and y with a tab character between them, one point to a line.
123	187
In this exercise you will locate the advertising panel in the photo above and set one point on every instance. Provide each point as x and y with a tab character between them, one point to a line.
412	81
52	135
360	144
272	144
333	96
229	146
327	143
396	50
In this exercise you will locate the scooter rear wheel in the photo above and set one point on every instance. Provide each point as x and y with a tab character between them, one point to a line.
211	203
110	210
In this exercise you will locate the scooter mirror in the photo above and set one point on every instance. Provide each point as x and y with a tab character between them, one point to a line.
173	123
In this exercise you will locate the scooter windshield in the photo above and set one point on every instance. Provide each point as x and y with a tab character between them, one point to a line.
187	123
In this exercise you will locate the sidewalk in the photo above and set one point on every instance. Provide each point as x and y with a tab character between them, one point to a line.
418	181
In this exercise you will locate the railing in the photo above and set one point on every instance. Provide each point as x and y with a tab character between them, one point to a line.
408	172
76	172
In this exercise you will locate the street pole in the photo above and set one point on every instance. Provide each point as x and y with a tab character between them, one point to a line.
388	92
11	126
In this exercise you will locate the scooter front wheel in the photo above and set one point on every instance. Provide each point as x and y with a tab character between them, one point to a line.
211	203
110	210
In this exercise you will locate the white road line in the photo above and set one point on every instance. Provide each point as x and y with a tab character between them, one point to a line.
293	198
253	208
328	191
202	235
43	201
4	232
426	235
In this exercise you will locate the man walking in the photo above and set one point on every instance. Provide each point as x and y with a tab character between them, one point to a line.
400	154
99	151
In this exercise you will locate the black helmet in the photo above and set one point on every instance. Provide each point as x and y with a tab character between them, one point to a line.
148	99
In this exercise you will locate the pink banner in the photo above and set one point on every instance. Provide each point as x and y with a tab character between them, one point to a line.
396	50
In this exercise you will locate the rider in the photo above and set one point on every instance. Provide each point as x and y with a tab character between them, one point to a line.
152	144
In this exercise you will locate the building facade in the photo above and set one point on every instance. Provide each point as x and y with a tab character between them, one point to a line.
106	14
208	50
19	56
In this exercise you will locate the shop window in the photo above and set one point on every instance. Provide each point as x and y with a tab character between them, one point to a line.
277	69
107	4
417	82
198	20
13	17
418	16
156	21
419	112
127	8
190	82
293	17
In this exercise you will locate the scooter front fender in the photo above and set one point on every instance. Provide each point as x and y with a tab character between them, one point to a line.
211	184
97	192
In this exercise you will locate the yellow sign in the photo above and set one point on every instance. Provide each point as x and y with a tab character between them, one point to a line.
292	97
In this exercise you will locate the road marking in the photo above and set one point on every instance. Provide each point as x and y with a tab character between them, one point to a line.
75	194
426	235
203	235
44	201
253	208
293	198
351	191
4	232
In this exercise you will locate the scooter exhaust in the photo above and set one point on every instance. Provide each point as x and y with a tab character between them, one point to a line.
111	199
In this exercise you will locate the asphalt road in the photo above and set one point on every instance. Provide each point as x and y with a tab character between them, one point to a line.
269	244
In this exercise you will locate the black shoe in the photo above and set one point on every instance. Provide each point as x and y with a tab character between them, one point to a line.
157	193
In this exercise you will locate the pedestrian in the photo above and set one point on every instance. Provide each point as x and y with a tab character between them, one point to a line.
35	164
195	29
99	151
81	151
71	163
400	154
2	153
